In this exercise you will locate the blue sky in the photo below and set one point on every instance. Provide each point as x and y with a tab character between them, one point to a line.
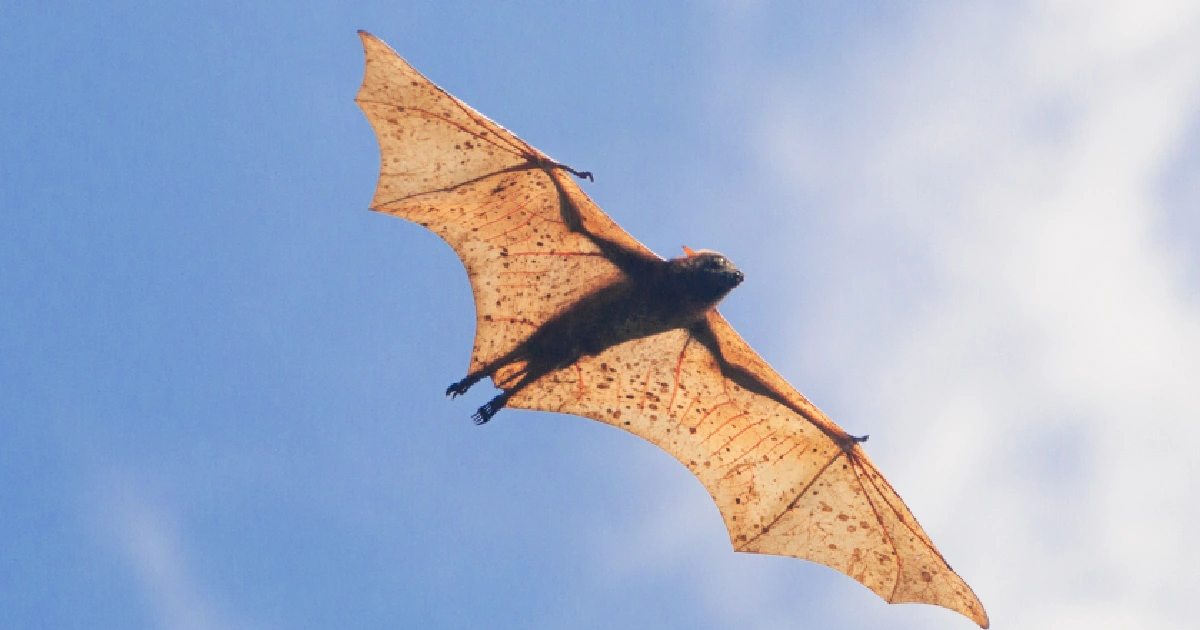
969	230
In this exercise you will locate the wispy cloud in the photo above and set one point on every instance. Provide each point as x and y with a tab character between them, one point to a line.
1035	358
154	548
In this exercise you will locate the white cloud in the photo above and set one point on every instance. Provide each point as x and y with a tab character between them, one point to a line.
1038	374
155	552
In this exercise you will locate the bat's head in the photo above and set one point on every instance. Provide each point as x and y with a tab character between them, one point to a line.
707	276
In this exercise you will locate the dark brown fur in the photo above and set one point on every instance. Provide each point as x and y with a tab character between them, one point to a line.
654	296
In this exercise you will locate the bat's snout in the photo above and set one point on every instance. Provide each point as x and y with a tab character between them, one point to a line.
729	279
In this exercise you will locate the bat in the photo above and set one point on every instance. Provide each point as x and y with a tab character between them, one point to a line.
573	315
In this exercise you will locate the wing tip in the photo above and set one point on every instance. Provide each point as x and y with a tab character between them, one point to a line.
367	37
967	604
372	44
368	41
981	618
375	52
976	613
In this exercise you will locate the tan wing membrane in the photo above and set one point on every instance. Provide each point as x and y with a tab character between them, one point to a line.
575	316
513	219
429	140
524	265
787	481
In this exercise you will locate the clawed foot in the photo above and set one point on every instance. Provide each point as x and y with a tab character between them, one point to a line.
580	174
493	406
457	389
486	412
854	440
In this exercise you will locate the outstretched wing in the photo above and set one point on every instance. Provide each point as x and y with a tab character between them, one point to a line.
532	242
788	481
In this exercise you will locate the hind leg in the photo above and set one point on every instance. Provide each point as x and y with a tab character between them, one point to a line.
493	406
486	412
461	387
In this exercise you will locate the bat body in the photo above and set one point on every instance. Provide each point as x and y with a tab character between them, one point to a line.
575	316
654	296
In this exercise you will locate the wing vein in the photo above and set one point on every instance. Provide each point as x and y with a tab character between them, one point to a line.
907	525
879	519
516	168
725	424
481	136
795	500
736	436
678	367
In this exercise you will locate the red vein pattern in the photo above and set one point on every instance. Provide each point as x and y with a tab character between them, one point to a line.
812	493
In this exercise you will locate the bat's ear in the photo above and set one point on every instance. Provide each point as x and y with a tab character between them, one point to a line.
689	251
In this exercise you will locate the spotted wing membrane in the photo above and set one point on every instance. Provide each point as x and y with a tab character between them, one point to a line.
788	481
515	217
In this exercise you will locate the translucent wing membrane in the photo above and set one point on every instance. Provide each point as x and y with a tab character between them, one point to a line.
515	220
788	481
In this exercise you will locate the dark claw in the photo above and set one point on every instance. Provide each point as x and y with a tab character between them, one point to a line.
859	440
580	174
492	407
485	413
457	389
